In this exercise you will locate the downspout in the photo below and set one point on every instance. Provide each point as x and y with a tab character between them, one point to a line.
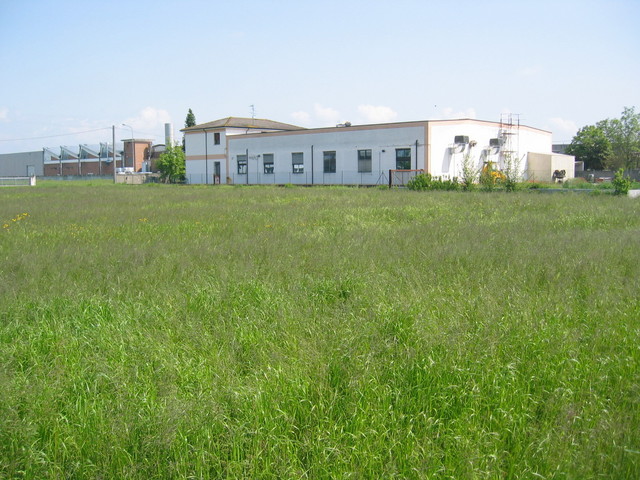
206	159
312	165
427	148
247	165
416	154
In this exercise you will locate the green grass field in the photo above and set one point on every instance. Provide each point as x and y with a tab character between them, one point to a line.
154	332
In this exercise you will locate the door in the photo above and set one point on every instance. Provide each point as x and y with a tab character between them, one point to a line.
216	173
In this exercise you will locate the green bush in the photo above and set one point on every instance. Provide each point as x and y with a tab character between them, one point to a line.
420	182
621	184
510	184
424	181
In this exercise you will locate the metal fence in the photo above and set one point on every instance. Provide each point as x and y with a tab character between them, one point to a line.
306	178
78	177
18	181
595	174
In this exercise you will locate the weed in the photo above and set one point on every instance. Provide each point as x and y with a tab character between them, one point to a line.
186	332
621	184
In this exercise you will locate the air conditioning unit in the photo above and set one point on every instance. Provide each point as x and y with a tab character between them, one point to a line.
461	139
495	142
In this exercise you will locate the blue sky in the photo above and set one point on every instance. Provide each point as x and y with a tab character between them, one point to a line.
71	69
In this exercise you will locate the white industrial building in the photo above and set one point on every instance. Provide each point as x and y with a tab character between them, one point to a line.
254	151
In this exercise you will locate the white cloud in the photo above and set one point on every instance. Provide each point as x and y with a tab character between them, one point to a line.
301	117
326	114
377	114
4	114
562	128
149	119
450	113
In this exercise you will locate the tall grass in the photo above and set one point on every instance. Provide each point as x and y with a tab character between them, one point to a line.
235	332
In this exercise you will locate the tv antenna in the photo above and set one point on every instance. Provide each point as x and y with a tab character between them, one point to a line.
253	111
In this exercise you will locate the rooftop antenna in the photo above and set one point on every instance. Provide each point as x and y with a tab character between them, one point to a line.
253	111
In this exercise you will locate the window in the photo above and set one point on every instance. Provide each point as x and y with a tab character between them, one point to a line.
403	158
268	162
242	164
364	161
216	138
298	162
329	162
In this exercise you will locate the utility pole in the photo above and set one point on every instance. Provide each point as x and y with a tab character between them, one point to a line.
113	134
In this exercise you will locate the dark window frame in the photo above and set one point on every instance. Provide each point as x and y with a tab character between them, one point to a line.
365	156
242	162
329	161
297	162
268	166
403	161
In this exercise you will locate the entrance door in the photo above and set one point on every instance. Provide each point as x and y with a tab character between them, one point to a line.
31	171
216	173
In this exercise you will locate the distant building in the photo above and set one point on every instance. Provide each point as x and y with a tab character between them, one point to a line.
560	147
136	155
86	160
24	164
257	151
81	160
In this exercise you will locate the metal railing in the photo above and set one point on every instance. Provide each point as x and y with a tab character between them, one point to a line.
289	178
18	181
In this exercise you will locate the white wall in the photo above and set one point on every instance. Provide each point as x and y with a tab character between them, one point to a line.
542	166
344	141
446	160
195	144
382	140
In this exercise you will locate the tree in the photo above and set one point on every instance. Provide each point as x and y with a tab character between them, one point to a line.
171	164
190	120
624	136
591	146
611	143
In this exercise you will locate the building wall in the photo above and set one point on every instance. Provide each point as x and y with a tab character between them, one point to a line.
51	169
22	164
194	143
345	142
542	166
142	151
446	159
431	145
530	142
71	167
196	149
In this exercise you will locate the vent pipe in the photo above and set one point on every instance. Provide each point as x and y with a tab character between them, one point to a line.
168	134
